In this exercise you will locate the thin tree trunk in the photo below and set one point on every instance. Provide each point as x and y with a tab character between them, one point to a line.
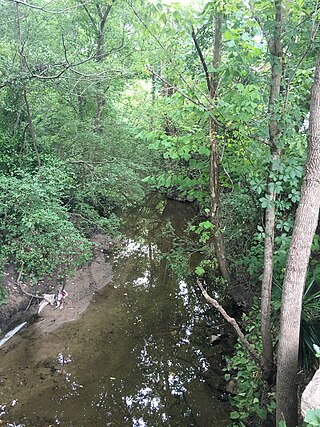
212	79
31	127
215	203
214	180
296	269
99	110
266	287
25	93
275	49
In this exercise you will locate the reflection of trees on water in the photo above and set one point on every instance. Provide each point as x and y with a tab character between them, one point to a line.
164	316
138	356
161	381
158	391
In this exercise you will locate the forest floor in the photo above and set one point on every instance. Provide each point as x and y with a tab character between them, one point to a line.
80	287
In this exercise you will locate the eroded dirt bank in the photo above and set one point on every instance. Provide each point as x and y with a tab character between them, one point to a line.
80	287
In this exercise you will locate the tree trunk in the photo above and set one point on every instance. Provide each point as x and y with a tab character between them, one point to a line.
215	209
99	110
99	28
214	181
275	49
296	269
23	67
212	80
266	287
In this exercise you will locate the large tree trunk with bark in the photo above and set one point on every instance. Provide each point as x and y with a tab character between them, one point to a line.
296	269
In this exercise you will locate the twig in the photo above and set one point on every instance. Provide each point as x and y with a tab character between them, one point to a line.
28	306
20	285
42	9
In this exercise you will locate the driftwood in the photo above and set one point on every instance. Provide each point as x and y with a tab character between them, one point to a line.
55	300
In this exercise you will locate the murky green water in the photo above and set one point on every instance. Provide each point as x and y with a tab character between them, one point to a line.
139	356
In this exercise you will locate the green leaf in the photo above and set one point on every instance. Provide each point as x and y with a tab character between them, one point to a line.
199	271
234	415
206	224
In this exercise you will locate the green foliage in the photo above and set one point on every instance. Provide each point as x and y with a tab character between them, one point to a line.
3	291
310	320
316	349
3	296
36	230
247	402
185	153
312	418
203	230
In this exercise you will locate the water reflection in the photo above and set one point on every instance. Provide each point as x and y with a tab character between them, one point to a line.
138	356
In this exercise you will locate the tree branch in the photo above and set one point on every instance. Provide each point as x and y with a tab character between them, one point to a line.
203	61
42	9
93	22
313	34
258	20
232	322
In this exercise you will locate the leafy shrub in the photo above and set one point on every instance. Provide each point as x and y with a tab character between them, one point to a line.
35	227
310	321
250	394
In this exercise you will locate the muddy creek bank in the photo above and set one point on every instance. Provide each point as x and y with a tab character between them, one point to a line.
138	356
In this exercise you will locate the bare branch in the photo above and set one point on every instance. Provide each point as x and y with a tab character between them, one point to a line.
93	22
232	322
20	284
196	102
203	62
42	9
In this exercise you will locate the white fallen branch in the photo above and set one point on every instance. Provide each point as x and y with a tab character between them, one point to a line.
55	300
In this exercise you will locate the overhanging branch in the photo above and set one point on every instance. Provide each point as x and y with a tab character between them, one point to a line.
232	322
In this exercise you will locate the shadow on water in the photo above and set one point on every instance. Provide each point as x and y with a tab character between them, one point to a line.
137	357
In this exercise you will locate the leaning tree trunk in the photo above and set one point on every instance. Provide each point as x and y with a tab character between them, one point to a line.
296	269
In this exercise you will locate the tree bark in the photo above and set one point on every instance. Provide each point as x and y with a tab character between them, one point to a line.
276	53
212	79
214	180
296	269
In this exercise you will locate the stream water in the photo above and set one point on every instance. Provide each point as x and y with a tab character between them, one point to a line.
139	356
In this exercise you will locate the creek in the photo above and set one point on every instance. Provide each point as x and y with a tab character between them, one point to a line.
140	355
